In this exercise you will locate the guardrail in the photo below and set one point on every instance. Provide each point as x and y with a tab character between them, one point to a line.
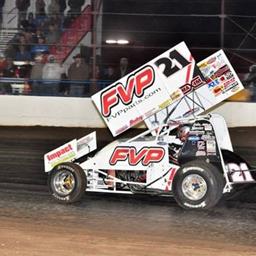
61	88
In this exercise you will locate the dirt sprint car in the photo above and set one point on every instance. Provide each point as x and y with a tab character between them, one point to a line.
183	154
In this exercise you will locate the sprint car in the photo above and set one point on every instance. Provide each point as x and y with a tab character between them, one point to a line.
183	153
191	160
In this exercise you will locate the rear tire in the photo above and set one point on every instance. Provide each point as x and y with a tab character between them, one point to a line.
198	185
67	183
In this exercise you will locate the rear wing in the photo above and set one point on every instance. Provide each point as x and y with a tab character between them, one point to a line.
168	87
220	82
145	91
70	151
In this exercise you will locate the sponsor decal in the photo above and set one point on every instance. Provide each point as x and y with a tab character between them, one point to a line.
235	88
66	198
171	177
211	146
200	153
197	128
207	127
174	63
239	172
145	155
207	137
196	133
211	60
175	95
136	85
59	153
122	129
193	138
201	205
136	120
197	124
84	142
218	90
213	84
223	70
220	76
201	145
131	106
195	84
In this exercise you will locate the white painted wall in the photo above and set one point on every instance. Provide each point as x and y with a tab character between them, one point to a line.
48	111
80	112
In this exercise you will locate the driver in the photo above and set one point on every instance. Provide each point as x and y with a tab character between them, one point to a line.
174	148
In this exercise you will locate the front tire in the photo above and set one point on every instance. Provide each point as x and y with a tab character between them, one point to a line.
67	183
198	185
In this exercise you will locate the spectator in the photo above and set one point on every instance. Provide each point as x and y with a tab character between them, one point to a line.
251	81
64	85
30	39
10	70
41	47
39	33
54	9
30	23
110	75
51	76
123	68
53	34
40	8
63	6
22	54
37	75
12	47
22	6
22	39
7	69
3	67
2	2
78	73
75	7
3	64
41	17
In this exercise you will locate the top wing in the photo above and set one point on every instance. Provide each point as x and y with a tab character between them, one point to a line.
145	91
168	87
218	81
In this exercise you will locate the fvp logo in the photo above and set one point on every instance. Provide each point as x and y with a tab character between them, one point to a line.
146	155
136	84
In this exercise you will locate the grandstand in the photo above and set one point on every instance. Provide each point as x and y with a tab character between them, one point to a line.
149	28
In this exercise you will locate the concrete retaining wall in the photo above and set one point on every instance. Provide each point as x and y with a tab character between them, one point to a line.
80	112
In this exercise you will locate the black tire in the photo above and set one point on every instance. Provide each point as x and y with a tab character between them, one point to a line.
208	179
67	183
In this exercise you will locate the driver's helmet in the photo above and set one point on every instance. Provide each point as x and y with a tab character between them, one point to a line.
183	132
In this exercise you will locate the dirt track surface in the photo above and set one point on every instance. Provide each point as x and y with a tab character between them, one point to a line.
39	240
32	224
35	225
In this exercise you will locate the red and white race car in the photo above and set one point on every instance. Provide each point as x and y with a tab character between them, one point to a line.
182	154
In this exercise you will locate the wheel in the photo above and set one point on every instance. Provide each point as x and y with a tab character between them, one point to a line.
198	185
67	183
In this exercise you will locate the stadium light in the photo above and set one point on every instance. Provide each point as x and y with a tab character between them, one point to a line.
119	41
122	41
111	41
